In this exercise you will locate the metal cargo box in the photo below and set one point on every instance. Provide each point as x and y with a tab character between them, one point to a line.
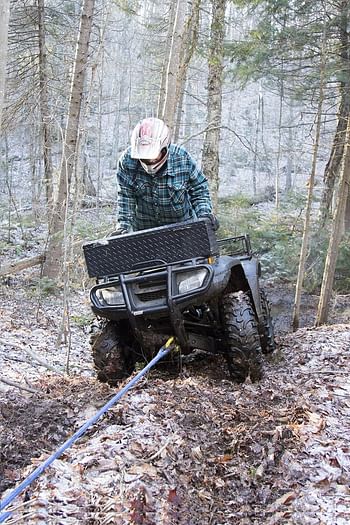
165	245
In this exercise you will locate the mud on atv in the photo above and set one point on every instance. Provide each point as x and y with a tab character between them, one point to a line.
177	280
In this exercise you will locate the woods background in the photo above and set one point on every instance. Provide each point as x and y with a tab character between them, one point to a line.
257	91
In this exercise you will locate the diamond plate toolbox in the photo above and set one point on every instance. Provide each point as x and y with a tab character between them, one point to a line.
167	244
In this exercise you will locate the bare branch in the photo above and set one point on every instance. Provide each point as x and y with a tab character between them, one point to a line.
18	385
21	265
32	354
248	146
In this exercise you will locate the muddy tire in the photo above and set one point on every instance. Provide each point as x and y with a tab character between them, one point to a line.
267	336
241	337
112	358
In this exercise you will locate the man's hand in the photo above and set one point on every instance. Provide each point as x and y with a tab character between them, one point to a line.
119	231
213	219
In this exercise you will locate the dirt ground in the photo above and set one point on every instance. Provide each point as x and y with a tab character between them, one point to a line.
184	448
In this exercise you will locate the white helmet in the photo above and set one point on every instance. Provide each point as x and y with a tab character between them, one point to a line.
150	138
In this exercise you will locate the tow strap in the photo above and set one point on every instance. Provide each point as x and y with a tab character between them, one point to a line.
163	351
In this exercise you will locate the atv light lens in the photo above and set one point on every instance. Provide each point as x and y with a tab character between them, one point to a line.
111	296
188	281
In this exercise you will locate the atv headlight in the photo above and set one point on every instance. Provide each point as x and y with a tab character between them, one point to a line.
111	296
188	281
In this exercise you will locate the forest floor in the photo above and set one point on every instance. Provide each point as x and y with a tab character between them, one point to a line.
188	448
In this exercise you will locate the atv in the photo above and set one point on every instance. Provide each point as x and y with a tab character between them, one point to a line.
177	280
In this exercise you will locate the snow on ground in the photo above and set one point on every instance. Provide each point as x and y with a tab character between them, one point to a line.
188	448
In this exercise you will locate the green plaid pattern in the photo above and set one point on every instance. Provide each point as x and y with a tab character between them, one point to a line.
178	192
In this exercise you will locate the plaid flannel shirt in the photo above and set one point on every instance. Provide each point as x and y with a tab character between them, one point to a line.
178	192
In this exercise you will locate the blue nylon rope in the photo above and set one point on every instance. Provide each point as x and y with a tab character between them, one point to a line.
164	350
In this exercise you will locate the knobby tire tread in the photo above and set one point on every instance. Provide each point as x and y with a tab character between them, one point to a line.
267	338
242	337
109	355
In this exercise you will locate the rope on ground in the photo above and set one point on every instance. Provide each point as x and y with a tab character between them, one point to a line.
164	350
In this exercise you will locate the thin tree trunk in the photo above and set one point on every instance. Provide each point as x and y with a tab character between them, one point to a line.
4	24
278	160
6	176
290	163
99	137
35	172
210	156
347	216
44	106
307	220
179	114
333	167
256	140
188	46
170	99
162	88
54	256
336	235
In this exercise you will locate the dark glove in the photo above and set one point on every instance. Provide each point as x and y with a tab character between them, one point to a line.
119	231
213	220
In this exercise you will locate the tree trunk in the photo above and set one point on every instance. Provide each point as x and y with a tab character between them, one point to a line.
279	152
307	220
347	215
332	170
34	156
168	112
54	255
256	139
188	45
162	88
210	156
333	165
290	163
336	234
4	24
44	106
179	115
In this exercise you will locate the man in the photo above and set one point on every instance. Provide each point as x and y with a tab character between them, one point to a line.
158	182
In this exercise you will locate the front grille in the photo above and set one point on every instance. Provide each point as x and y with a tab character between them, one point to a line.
152	290
151	296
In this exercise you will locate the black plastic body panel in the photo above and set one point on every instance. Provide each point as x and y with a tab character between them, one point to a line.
164	245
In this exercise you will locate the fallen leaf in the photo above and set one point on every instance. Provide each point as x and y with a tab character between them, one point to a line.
143	469
223	459
196	452
173	497
286	499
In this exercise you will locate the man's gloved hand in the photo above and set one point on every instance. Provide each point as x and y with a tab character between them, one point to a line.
213	219
119	231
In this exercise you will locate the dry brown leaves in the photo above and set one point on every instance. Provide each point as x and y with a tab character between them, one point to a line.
197	449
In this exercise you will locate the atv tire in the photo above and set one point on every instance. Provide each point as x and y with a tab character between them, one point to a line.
241	336
112	358
267	337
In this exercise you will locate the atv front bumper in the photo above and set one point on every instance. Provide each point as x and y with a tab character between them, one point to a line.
151	292
154	293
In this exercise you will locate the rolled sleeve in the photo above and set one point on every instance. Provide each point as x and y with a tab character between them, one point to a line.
125	198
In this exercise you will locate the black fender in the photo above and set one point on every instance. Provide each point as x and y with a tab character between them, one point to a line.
243	275
252	272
